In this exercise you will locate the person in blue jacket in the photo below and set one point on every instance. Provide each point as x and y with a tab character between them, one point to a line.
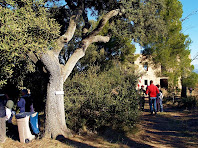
21	102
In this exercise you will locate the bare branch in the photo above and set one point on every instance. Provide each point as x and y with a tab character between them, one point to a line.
76	56
196	57
79	53
187	17
103	21
91	38
100	38
65	38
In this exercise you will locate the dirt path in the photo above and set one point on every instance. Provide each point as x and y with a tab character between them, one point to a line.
173	128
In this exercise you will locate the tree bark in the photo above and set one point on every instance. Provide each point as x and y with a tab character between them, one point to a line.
55	114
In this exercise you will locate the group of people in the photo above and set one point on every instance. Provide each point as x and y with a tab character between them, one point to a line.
155	98
24	104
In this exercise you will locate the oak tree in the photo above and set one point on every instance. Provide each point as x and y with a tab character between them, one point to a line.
28	30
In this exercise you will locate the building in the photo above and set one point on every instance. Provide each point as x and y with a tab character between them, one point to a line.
150	71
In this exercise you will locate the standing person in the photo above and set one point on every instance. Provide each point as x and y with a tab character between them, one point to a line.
160	97
141	93
158	100
9	112
3	101
21	101
152	91
29	102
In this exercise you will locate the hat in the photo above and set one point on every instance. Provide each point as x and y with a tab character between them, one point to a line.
10	104
24	91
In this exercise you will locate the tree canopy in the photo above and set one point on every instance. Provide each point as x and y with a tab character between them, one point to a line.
25	27
33	26
171	51
41	31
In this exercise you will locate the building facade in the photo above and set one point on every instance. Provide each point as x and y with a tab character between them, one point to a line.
150	71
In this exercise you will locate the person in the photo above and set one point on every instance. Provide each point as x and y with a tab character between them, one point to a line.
141	93
3	101
29	102
152	91
21	102
159	100
9	112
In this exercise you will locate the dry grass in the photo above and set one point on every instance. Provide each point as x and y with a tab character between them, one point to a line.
172	128
44	143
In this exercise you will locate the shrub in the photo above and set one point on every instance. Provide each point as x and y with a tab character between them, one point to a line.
95	99
190	102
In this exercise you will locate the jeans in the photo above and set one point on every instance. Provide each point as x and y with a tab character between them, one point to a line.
161	106
152	103
158	104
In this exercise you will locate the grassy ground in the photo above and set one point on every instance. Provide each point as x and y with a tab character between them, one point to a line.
172	128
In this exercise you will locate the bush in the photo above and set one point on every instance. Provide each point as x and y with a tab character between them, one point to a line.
95	99
190	102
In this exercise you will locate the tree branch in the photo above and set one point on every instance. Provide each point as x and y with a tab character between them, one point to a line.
103	21
91	38
188	16
196	57
87	24
68	34
32	57
69	66
70	4
100	38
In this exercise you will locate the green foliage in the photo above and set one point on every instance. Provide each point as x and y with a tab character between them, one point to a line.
25	27
190	102
137	21
191	81
172	51
94	99
30	26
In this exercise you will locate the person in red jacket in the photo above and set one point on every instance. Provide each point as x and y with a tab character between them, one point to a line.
152	91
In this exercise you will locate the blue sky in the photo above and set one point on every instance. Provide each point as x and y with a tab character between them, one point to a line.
190	26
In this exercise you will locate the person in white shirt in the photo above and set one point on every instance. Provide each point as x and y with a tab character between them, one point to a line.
9	112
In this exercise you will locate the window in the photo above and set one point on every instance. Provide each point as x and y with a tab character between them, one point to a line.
145	82
164	83
146	66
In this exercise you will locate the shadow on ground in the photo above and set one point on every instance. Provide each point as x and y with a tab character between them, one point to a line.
113	136
12	131
73	143
174	128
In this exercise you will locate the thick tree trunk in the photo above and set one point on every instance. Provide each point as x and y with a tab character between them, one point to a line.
55	115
